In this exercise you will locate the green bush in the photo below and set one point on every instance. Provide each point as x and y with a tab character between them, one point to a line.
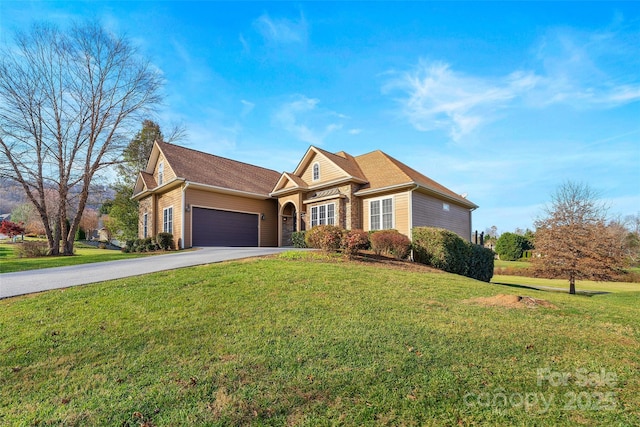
390	242
34	249
481	263
165	241
442	249
325	237
511	246
297	238
447	251
354	241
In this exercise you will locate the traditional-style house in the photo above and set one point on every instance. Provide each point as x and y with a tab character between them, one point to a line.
206	200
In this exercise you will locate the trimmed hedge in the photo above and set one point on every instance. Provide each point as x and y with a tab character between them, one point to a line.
353	241
297	238
445	250
165	241
481	264
325	237
390	242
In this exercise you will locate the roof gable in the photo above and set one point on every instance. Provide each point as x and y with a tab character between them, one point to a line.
383	171
208	169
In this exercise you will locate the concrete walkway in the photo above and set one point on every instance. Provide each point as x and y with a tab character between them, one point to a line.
27	282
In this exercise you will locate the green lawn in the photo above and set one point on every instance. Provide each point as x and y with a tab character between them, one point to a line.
84	254
282	341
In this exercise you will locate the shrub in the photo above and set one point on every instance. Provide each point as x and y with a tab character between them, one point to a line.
102	245
32	249
447	251
297	238
165	241
325	237
481	264
354	241
390	242
442	249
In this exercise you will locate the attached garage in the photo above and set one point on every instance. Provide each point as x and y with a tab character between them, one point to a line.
214	227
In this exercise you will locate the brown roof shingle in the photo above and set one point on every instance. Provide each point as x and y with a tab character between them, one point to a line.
383	171
203	168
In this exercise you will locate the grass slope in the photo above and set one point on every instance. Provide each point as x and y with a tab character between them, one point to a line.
280	341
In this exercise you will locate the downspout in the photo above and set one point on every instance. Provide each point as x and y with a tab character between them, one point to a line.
183	214
411	219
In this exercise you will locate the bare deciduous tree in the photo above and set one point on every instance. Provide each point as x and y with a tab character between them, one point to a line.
69	101
573	239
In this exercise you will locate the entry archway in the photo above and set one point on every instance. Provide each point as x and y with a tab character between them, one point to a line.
288	223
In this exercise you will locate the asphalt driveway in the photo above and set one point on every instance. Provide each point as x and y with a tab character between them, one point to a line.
27	282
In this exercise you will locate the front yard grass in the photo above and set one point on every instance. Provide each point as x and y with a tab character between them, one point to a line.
281	341
84	254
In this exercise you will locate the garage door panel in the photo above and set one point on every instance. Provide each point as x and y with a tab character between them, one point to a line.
213	227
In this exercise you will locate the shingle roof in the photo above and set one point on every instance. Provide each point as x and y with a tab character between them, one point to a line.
148	179
383	171
203	168
346	162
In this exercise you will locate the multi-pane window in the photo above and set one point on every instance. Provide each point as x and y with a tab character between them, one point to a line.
167	220
316	171
381	214
145	226
160	173
323	214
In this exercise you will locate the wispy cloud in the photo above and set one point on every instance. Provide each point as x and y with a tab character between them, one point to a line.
306	121
438	97
247	107
581	70
282	30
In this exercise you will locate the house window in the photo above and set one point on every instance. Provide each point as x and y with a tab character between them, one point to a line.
445	207
381	214
323	215
145	226
316	171
167	220
160	173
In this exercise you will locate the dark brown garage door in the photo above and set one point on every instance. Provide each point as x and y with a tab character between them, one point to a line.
212	227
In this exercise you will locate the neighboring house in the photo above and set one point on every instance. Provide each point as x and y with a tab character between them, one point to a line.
206	200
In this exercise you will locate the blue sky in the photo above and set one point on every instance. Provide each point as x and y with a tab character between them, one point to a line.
502	101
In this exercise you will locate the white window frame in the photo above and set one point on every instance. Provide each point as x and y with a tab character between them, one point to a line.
320	214
379	222
167	220
445	207
160	173
315	171
145	225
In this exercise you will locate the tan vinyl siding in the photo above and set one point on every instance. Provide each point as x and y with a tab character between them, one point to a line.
328	171
168	172
400	211
172	198
428	212
209	199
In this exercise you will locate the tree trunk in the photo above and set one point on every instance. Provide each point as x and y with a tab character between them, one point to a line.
572	284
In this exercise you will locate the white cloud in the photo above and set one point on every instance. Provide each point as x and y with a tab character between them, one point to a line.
355	131
247	107
282	31
581	70
306	121
438	97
